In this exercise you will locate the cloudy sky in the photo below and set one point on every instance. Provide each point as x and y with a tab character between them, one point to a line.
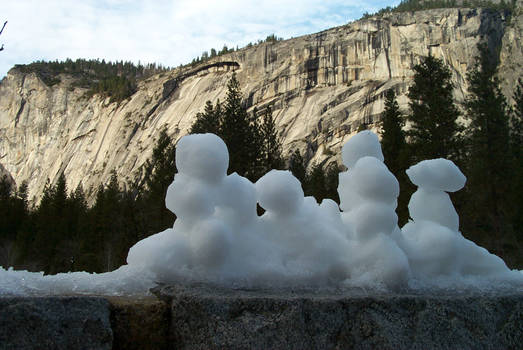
170	32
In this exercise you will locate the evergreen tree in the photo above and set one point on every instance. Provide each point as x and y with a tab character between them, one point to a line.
315	184
516	144
393	141
331	182
516	123
297	166
271	144
51	227
209	120
159	173
489	167
240	133
395	151
433	129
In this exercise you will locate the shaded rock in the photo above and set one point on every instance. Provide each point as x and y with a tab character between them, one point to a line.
5	174
213	318
55	323
139	323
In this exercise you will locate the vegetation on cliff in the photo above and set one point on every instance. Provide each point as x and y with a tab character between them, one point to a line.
117	80
419	5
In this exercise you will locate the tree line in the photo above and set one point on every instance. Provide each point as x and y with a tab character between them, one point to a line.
419	5
117	80
207	55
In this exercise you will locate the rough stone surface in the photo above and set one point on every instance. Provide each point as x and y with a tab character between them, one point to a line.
209	318
55	323
139	323
321	88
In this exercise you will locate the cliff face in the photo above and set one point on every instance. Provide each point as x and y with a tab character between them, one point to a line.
321	88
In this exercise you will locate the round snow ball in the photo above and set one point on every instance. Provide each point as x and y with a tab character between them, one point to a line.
362	144
372	218
211	243
279	192
374	181
203	156
439	174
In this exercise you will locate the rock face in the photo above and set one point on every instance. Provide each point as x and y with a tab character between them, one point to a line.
321	87
55	323
223	319
205	317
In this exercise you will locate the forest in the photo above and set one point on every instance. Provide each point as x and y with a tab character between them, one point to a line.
117	80
62	233
418	5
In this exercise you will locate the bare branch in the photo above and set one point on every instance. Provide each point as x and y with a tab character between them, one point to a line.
2	48
3	27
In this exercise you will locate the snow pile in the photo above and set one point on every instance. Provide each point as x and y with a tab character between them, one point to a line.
218	236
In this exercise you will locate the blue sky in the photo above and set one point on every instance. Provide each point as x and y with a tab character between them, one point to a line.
170	32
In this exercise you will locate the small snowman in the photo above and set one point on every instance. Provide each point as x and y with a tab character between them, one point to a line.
368	197
308	236
198	240
432	240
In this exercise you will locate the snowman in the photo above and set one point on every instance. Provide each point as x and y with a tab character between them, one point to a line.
368	198
308	237
199	241
432	241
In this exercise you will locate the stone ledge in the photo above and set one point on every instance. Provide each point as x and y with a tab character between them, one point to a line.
211	318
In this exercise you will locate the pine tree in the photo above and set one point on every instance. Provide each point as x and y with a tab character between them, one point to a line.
331	182
297	166
489	165
240	133
271	144
516	123
159	173
516	145
209	120
315	183
395	151
433	123
393	141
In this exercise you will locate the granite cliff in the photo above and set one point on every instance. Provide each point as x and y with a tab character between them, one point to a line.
321	87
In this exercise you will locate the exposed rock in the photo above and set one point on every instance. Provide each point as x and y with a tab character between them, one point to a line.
55	323
139	323
207	318
321	88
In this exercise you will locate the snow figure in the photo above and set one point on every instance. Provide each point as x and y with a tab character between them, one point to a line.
368	197
308	237
432	241
210	207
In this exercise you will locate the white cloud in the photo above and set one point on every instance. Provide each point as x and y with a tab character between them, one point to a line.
163	31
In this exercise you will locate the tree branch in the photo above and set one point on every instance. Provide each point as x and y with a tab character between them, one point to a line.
3	27
2	48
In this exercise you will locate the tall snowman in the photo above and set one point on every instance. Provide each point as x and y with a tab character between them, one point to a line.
368	198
